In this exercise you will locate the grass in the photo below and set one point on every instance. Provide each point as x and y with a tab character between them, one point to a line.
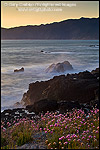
72	130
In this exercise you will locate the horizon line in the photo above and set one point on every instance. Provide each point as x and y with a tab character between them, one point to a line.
51	22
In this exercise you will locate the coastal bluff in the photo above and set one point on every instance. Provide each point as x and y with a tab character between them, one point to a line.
70	29
82	87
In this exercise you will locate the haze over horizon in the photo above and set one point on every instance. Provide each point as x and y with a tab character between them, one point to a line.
11	16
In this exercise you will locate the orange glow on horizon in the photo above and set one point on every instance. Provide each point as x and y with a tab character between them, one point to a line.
11	17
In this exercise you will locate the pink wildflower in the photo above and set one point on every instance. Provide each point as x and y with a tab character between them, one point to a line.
51	125
87	139
65	142
7	122
40	129
55	125
90	136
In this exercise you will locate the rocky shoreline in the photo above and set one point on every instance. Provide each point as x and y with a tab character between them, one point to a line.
82	87
61	93
32	112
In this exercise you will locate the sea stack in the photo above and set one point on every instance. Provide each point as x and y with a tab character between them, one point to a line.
59	67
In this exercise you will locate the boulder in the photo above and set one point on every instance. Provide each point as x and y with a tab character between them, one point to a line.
43	105
19	70
42	51
59	67
64	106
92	45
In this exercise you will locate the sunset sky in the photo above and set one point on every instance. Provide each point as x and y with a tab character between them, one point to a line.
21	13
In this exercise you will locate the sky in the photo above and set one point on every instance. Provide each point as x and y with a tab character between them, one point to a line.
22	13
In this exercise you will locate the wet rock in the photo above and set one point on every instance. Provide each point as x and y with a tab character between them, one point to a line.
92	45
7	111
42	51
19	70
59	67
72	87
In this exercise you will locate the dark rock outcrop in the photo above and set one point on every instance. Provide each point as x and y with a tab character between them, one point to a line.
63	106
33	112
42	51
59	67
19	70
13	115
95	72
71	87
43	105
86	75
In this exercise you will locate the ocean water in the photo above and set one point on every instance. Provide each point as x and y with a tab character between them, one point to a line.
82	54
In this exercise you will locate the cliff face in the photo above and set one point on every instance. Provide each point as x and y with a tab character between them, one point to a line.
81	87
83	28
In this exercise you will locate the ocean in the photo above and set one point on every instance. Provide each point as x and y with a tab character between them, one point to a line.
35	56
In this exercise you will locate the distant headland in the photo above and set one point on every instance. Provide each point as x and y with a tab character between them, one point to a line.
71	29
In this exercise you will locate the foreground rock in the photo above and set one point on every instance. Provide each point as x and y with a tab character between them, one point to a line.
37	143
33	112
79	87
14	115
59	67
43	105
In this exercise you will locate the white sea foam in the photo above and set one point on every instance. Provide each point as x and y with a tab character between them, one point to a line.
58	52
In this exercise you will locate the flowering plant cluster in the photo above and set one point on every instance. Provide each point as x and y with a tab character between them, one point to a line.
72	130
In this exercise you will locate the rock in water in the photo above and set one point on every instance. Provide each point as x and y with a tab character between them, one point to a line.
19	70
59	67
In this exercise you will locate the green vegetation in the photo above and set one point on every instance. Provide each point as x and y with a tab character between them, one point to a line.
72	130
